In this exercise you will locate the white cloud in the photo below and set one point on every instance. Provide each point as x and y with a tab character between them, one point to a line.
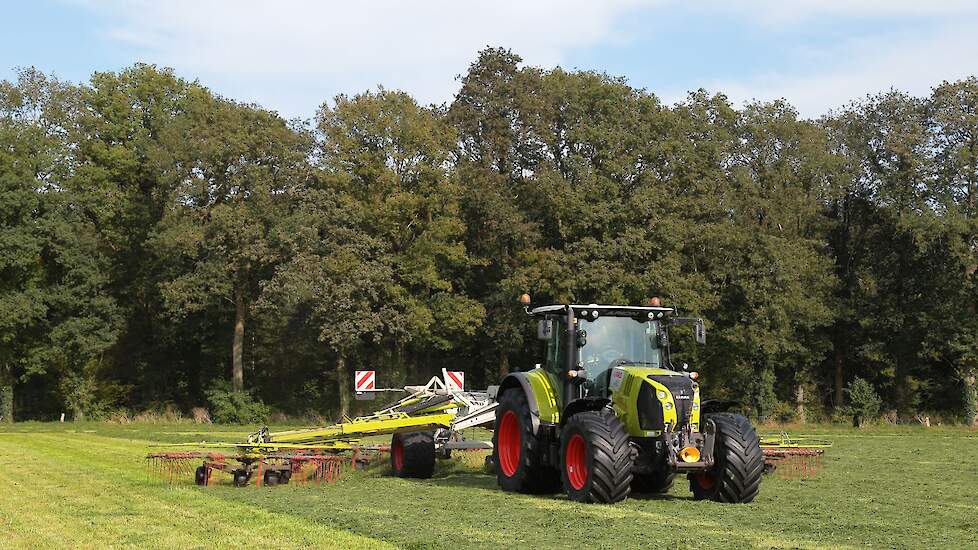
291	55
312	48
841	73
781	12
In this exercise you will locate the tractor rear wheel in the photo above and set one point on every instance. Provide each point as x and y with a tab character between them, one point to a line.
656	483
517	452
597	458
736	475
413	454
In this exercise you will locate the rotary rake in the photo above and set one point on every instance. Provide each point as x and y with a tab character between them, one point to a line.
797	457
324	454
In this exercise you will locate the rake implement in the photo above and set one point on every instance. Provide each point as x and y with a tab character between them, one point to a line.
324	454
798	457
271	469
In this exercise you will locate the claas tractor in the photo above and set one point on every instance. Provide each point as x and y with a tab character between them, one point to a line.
606	413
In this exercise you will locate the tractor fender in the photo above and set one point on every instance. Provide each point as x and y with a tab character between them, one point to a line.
540	395
582	405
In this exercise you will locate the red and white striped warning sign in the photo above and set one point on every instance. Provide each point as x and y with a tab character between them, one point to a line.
365	380
455	380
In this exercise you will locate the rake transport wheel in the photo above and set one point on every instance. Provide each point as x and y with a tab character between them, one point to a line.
241	478
271	478
200	476
736	476
656	483
597	458
413	454
517	452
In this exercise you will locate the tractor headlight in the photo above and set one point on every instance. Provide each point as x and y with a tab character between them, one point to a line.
668	406
696	406
660	394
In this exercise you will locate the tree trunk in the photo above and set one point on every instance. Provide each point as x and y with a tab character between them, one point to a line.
343	385
237	345
800	403
503	366
839	376
6	395
970	382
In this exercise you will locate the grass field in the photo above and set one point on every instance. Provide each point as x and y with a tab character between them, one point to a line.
86	486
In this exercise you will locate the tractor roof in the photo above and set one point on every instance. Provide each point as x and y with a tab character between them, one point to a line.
606	310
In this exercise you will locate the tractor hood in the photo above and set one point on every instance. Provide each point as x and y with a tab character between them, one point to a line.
651	401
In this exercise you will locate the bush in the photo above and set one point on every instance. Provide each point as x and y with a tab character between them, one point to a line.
864	402
231	407
160	413
783	413
201	415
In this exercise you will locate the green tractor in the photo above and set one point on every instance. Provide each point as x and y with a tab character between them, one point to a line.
606	413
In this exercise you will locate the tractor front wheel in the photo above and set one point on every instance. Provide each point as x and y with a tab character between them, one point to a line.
736	476
517	452
596	457
413	454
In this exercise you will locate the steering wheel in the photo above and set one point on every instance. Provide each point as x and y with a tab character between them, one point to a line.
610	355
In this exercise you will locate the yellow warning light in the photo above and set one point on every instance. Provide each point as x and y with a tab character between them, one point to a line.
690	454
525	299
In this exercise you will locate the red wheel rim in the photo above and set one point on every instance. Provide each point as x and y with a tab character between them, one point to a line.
508	441
397	452
575	461
705	481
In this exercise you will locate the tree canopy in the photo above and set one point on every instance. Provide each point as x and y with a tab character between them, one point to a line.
160	240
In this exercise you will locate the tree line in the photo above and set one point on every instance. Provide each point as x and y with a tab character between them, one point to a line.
161	243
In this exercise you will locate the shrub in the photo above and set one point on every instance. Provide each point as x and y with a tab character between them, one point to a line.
864	402
201	415
160	413
231	407
783	413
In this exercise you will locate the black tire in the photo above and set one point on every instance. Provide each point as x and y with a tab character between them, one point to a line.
271	478
736	476
656	483
200	476
241	478
518	453
413	454
284	476
597	458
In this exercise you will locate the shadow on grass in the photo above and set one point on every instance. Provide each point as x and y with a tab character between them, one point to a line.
473	481
659	497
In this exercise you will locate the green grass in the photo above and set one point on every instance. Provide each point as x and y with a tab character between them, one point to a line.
86	485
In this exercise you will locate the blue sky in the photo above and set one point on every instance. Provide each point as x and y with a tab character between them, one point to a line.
292	55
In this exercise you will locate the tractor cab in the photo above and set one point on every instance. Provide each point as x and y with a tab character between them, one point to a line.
584	343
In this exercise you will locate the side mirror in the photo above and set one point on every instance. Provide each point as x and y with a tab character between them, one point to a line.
700	332
545	329
581	338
